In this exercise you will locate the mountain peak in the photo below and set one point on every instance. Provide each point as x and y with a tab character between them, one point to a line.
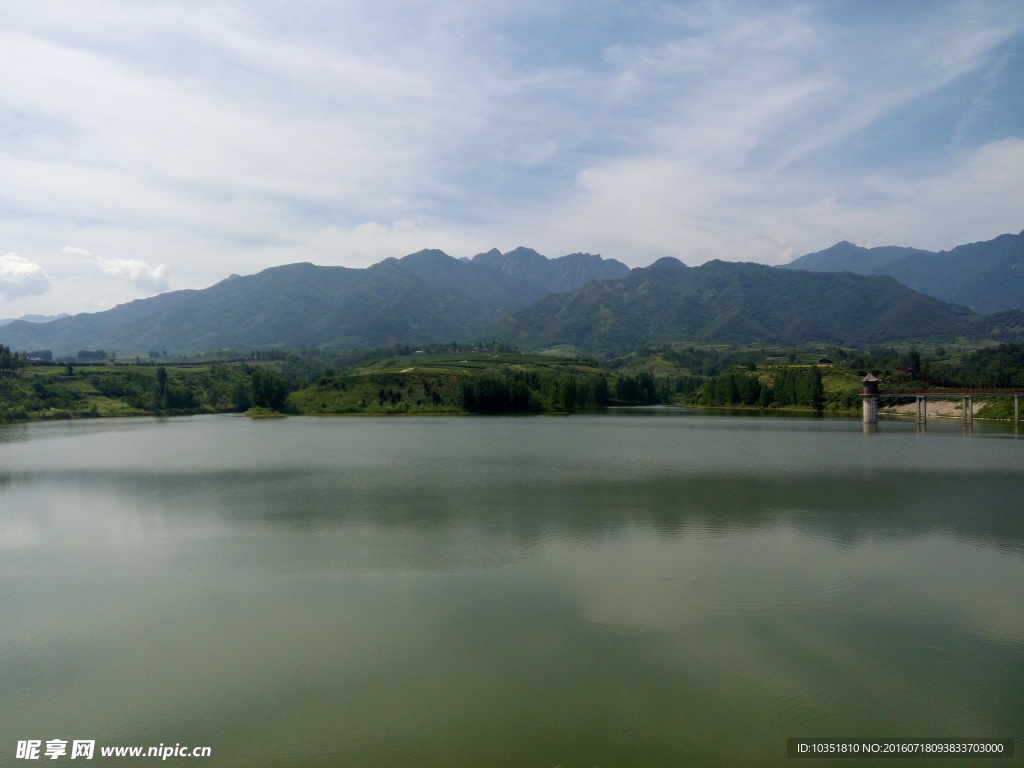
566	273
670	262
845	256
522	253
429	254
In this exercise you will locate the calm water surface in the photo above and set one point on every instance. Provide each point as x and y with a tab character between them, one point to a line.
645	588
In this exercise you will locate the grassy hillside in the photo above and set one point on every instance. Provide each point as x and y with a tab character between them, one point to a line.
380	393
53	392
459	383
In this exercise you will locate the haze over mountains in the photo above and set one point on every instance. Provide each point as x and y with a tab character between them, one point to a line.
986	276
581	301
34	318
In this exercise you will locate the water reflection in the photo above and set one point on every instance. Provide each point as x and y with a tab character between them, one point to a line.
842	508
509	592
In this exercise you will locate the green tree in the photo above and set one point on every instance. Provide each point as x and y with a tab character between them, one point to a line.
815	389
914	362
268	389
240	397
8	359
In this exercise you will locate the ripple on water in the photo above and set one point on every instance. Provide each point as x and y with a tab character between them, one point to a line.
766	596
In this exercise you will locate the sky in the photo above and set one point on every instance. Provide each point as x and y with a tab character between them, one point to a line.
164	145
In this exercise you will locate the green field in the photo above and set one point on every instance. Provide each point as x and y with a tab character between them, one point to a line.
474	362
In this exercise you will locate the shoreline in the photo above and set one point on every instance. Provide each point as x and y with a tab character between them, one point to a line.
937	409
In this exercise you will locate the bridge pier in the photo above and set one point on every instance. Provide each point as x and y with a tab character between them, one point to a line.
870	410
869	397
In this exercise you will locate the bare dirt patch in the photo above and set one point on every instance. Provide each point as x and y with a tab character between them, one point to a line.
936	408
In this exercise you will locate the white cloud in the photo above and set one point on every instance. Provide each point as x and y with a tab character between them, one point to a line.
145	277
371	242
926	211
231	137
20	277
69	250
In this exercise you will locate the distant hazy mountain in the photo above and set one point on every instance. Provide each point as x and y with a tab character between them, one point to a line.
741	303
34	318
986	276
847	257
566	273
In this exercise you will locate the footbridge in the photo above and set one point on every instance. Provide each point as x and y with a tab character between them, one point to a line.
869	394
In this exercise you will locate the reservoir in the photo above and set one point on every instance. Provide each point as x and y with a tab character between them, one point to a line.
636	588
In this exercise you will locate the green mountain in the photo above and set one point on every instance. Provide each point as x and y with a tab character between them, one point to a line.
424	297
431	297
723	302
986	276
298	305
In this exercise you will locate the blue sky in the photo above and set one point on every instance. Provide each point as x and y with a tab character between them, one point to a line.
166	145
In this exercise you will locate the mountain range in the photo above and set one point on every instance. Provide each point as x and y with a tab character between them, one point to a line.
426	296
595	305
986	276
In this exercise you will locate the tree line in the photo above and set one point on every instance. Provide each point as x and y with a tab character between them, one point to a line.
533	391
787	386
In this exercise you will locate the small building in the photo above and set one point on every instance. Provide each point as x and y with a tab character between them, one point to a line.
869	385
824	361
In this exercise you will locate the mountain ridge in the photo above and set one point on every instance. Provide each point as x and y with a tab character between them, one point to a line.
427	296
737	302
560	275
987	276
431	297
